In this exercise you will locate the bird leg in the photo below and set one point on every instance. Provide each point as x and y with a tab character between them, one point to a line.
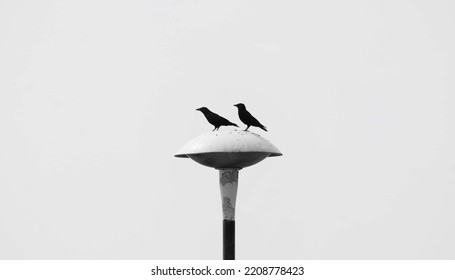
246	129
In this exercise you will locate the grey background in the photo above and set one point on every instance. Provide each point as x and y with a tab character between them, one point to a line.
96	96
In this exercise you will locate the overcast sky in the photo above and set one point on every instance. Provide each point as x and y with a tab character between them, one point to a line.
97	96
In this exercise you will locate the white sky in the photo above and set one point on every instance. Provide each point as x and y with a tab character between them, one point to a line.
96	97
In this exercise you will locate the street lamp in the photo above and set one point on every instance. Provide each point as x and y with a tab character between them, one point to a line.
228	151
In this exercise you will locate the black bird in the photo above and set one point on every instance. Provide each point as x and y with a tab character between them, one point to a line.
214	119
247	118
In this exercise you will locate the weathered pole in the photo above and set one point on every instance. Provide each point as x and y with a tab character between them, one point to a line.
229	179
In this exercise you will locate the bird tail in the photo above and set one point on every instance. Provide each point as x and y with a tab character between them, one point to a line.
234	124
263	128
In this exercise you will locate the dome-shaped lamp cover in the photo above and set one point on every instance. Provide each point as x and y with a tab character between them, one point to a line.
228	149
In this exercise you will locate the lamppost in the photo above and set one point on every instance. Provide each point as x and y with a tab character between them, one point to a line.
228	151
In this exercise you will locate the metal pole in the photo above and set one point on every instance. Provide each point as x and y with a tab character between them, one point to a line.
229	179
228	240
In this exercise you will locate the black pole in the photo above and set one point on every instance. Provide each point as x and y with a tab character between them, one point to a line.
228	240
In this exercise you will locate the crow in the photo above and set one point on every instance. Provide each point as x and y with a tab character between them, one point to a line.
247	118
214	119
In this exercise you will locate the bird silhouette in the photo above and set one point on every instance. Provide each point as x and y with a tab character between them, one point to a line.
215	119
247	118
